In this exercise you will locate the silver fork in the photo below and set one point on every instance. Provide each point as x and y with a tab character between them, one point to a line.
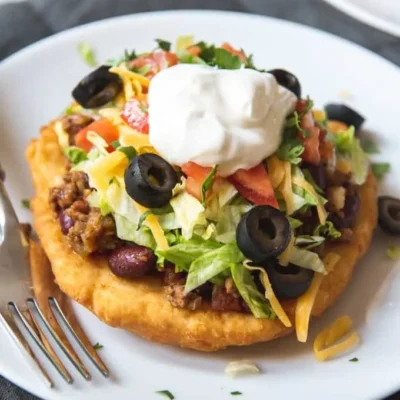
19	308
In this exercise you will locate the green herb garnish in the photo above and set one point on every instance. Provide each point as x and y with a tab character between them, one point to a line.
207	52
98	346
327	230
87	54
166	393
355	359
226	60
25	203
207	184
393	252
163	44
129	151
236	393
115	144
126	58
369	146
75	154
290	151
143	70
380	169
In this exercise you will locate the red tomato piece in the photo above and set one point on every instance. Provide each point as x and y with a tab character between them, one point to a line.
104	128
196	174
135	114
194	50
155	61
311	143
232	50
254	184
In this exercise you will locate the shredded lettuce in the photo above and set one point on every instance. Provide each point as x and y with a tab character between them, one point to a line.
307	259
294	223
212	264
189	213
87	54
247	288
184	57
328	230
359	163
290	150
127	230
307	242
393	252
344	140
187	251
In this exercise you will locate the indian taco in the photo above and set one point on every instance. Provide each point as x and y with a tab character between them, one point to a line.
196	200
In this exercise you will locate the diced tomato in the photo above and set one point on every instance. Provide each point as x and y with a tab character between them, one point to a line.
196	175
156	61
194	50
311	143
254	184
135	113
103	128
232	50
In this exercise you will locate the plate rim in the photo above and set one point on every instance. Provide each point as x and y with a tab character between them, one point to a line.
365	17
64	35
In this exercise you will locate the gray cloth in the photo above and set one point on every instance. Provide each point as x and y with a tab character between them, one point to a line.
26	22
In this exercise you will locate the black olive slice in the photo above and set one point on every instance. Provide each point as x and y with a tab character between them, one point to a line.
263	232
287	80
149	180
389	214
345	114
98	88
290	281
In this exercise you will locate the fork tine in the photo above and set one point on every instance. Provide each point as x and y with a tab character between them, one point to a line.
74	327
59	336
16	312
26	351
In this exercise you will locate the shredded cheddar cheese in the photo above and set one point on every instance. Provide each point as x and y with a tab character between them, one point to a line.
286	188
155	227
306	301
324	346
319	115
270	295
98	142
123	72
322	214
284	258
275	171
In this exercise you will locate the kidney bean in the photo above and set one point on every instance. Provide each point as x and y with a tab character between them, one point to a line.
66	222
132	261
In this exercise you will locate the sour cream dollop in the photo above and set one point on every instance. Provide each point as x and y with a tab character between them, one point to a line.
229	118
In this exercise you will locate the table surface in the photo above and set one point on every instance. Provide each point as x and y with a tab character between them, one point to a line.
25	22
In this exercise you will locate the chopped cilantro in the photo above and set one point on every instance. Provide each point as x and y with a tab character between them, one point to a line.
327	230
294	121
393	252
369	146
380	169
226	60
87	54
236	393
129	151
98	346
115	144
207	53
143	70
75	154
166	393
25	203
290	150
207	184
163	44
355	359
128	56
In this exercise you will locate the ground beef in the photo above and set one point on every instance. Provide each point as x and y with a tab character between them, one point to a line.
91	232
174	289
87	231
226	297
72	124
75	186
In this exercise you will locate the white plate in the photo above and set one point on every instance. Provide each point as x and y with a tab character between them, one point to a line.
35	85
382	14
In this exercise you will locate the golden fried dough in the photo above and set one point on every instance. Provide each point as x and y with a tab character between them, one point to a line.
140	305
